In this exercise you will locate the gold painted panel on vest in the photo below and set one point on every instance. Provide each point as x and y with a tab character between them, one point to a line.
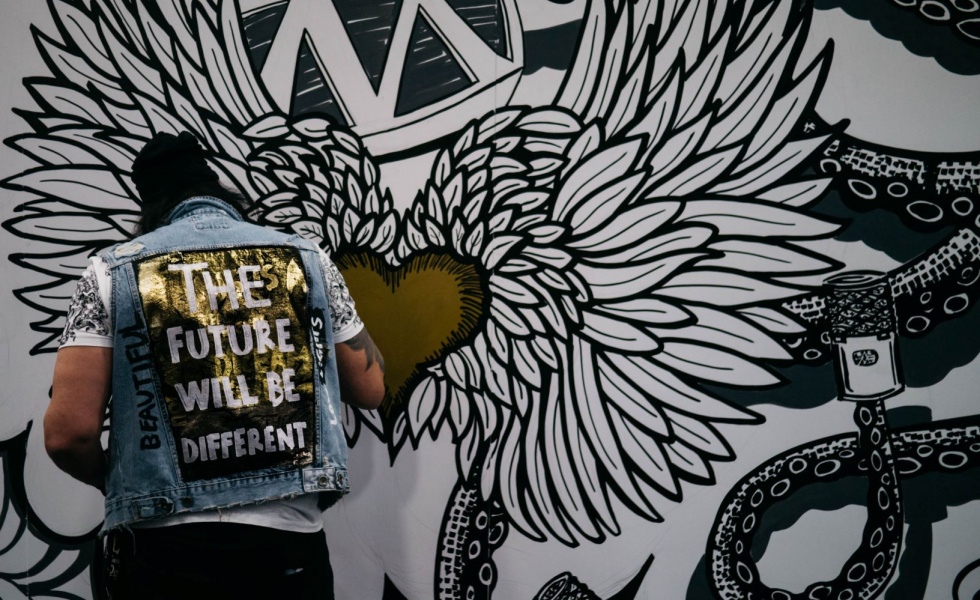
229	331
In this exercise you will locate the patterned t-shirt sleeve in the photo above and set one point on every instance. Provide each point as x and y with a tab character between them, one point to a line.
87	322
346	323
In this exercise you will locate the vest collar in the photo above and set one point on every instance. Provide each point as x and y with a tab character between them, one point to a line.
200	205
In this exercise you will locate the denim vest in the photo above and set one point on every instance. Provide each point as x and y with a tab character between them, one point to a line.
224	380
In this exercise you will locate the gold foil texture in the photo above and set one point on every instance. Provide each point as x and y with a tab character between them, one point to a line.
229	333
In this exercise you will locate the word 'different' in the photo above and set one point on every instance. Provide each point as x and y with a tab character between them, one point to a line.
243	442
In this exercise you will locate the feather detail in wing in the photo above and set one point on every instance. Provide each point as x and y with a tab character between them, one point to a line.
643	277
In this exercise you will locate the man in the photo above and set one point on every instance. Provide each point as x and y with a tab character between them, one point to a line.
225	348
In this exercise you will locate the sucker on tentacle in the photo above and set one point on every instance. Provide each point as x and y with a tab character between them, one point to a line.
939	286
472	528
927	190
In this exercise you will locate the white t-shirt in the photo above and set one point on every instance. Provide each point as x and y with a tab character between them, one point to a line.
89	323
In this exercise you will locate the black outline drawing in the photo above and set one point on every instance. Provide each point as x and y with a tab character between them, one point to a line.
863	333
75	557
634	241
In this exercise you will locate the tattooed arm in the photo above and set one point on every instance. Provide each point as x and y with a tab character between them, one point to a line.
361	369
73	421
81	386
359	362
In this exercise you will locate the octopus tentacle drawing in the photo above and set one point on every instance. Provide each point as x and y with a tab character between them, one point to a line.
951	446
862	321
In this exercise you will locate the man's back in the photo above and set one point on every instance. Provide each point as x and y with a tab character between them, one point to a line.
215	365
225	362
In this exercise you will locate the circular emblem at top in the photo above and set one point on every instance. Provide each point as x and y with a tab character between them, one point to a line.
400	73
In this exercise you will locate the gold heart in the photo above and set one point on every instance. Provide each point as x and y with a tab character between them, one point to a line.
414	313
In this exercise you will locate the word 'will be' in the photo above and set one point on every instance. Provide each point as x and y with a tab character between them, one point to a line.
217	391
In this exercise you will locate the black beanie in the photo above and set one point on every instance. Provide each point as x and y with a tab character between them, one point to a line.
167	164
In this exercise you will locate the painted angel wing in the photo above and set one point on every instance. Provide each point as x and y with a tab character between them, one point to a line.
124	71
636	244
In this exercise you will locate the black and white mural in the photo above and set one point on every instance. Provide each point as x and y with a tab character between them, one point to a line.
676	296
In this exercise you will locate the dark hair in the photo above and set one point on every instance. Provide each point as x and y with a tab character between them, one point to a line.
157	205
170	169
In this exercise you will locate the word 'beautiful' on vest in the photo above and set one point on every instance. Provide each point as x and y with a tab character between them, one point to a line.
224	385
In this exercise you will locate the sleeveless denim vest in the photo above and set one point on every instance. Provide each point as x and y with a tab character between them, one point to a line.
224	380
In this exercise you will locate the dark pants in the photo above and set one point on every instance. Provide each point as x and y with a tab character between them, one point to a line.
219	561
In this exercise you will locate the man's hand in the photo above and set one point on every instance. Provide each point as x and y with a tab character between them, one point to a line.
361	369
73	423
